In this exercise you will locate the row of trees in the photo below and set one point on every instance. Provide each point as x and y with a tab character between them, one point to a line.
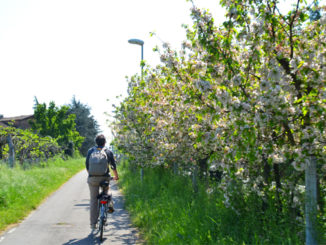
26	144
54	130
246	97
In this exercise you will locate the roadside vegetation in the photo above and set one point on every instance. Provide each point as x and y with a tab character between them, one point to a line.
23	187
168	211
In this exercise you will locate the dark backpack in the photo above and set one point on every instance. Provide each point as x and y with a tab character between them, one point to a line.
98	162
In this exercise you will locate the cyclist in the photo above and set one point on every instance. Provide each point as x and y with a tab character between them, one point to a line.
98	160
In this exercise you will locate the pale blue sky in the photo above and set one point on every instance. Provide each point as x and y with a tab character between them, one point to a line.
57	49
60	48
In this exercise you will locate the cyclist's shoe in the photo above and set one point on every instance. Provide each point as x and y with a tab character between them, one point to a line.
93	226
110	207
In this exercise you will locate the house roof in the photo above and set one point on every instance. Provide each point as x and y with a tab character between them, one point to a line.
3	125
18	118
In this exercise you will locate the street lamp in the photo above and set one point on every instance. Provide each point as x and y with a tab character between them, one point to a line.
141	43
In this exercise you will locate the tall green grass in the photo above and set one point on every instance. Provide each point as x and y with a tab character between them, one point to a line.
167	211
22	189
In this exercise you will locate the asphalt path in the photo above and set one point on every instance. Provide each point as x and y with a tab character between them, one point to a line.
64	219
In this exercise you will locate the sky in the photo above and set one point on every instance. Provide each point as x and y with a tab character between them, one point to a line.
57	49
54	50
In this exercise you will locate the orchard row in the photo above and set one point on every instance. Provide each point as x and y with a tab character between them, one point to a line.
247	98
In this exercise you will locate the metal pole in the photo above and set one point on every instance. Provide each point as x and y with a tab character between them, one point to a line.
311	201
141	43
141	65
142	58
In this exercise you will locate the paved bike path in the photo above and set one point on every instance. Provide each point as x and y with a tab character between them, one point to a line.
64	219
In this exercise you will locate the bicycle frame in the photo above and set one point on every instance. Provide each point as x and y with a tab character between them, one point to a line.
103	199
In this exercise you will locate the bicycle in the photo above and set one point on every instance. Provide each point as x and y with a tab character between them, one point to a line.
104	201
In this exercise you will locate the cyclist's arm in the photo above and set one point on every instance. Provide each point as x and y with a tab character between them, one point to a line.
116	176
111	160
113	164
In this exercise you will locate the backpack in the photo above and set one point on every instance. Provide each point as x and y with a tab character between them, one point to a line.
98	162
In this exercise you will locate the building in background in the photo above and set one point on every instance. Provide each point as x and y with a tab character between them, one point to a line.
21	122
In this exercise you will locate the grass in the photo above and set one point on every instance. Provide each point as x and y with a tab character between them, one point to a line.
23	189
167	211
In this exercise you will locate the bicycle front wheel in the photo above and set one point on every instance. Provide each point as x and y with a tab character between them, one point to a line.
101	227
102	220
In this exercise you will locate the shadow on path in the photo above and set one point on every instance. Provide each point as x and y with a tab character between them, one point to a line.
90	240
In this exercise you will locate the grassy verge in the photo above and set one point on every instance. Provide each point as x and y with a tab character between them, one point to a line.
22	190
167	211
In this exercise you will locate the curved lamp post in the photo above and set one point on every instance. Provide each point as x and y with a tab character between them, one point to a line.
141	43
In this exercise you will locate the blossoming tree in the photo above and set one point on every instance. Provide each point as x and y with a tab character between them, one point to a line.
247	97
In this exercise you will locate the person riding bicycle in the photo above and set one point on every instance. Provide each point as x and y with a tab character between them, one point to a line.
98	160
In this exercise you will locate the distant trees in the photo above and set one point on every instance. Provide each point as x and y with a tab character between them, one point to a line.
54	130
86	125
58	123
72	125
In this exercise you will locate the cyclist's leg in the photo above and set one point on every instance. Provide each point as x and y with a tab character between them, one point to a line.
110	204
106	190
110	207
94	191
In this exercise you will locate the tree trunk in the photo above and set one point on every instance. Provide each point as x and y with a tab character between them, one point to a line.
320	199
277	176
1	151
266	174
11	152
141	174
311	201
267	170
194	179
203	168
175	168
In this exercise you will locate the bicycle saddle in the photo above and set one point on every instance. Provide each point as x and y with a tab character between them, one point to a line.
104	183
